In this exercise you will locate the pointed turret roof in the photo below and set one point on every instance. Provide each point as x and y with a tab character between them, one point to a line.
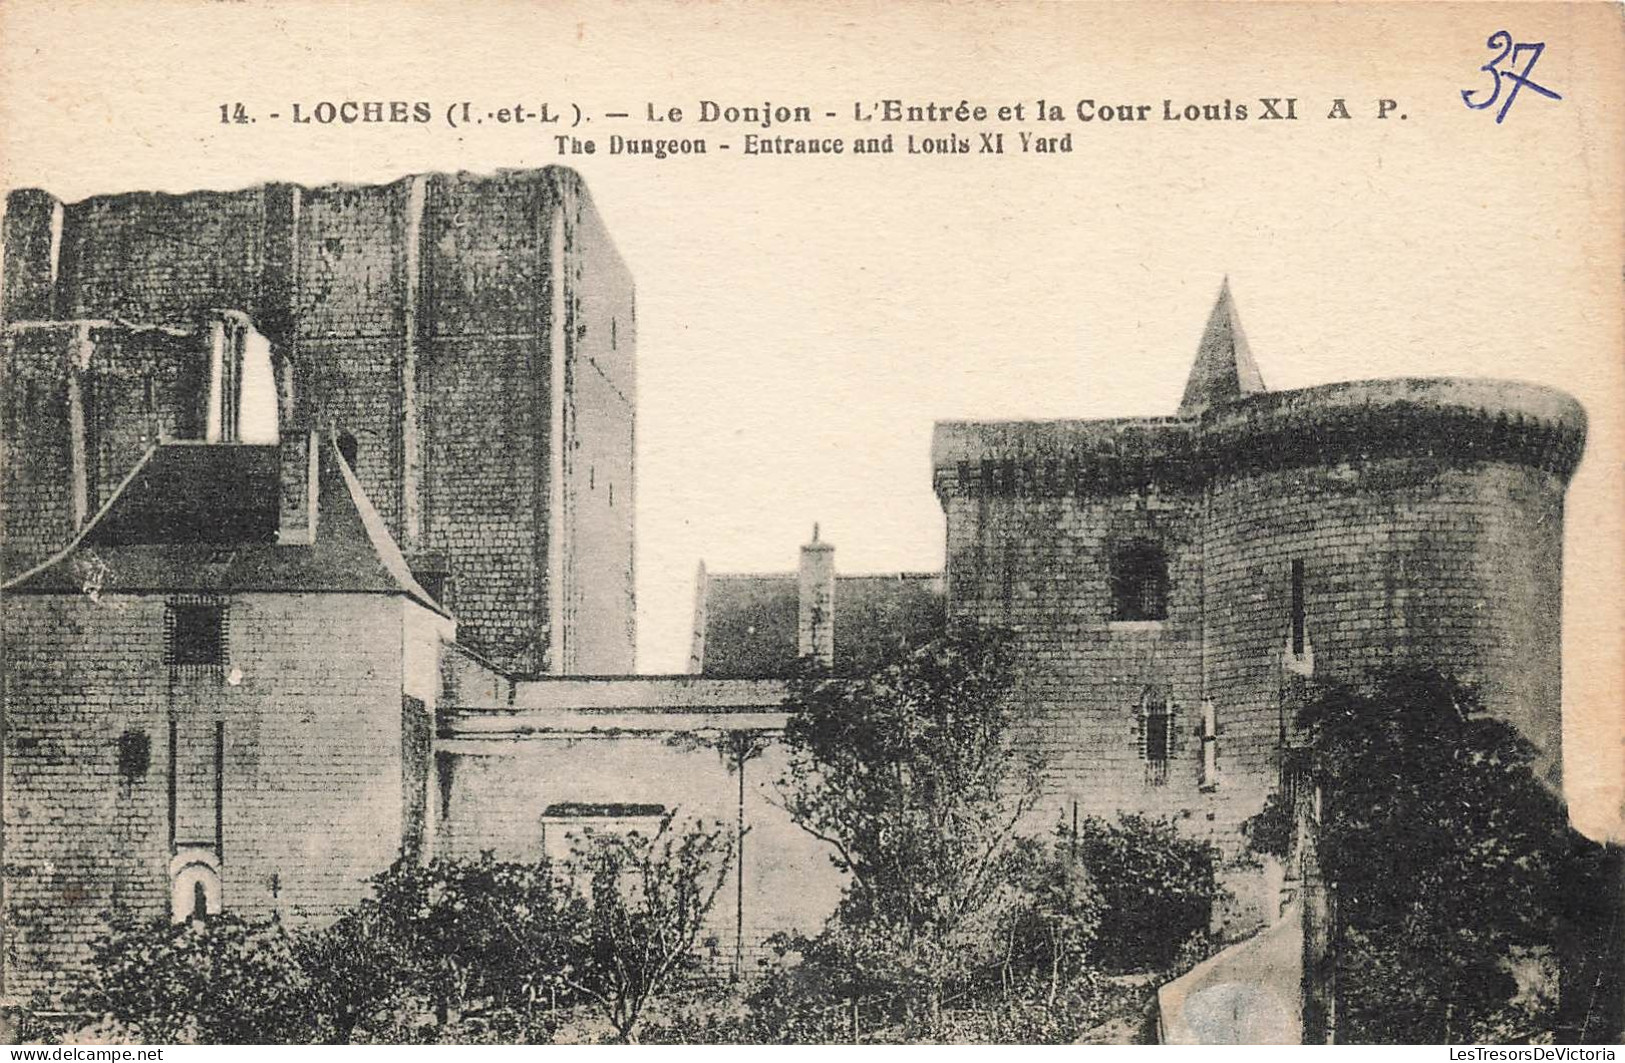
1224	369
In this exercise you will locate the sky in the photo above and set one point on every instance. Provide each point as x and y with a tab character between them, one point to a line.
803	322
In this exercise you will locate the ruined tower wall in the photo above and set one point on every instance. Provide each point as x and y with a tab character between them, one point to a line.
38	511
598	405
124	388
422	317
161	259
346	336
486	407
32	234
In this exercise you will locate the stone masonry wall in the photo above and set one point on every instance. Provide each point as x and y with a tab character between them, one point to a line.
1443	560
135	386
599	407
347	327
160	259
419	317
31	239
485	405
312	780
37	516
1403	559
492	794
1040	567
142	386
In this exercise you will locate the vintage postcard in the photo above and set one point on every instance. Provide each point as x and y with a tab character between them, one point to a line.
960	522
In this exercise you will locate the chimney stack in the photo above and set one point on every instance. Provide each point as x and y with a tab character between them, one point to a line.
815	627
300	460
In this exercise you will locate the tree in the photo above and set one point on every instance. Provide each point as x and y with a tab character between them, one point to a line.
358	969
910	776
650	896
489	931
1449	863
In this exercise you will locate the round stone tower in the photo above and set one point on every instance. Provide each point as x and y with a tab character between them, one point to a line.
1171	579
1359	526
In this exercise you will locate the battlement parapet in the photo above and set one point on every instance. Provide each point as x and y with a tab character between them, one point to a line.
1452	421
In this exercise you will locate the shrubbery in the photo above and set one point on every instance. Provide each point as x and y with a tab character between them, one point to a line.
227	981
954	925
912	775
1157	890
1452	868
460	950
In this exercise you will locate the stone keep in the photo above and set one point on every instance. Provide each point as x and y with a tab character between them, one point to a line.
1170	578
471	338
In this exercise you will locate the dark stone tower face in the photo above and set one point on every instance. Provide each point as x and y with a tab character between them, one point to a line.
1170	579
1425	522
474	336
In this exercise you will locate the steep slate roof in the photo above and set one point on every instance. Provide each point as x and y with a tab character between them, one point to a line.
202	519
746	624
1224	368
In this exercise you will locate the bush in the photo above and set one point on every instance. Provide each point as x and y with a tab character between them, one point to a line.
461	951
484	933
1448	861
1053	934
357	970
227	980
1157	889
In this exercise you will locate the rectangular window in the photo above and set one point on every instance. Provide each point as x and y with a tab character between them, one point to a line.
134	755
1157	738
1297	607
1139	582
195	634
1156	734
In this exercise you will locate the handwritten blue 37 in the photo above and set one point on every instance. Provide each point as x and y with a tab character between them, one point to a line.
1521	79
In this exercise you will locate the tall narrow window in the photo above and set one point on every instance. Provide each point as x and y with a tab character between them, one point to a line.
1139	582
1157	734
1007	580
1297	607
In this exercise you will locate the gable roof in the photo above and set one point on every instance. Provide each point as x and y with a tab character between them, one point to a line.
746	624
202	518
